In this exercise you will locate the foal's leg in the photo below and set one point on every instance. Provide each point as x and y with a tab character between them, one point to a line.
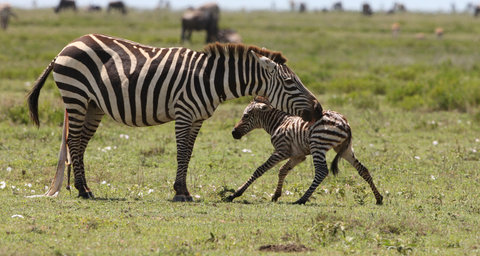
283	173
274	159
321	171
363	171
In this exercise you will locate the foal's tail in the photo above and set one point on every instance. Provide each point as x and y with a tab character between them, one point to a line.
344	146
35	93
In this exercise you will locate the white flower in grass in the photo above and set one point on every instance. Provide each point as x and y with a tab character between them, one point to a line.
417	157
33	191
103	182
124	136
150	191
474	150
435	142
325	190
17	216
140	194
46	188
2	184
246	150
433	177
477	140
9	169
197	196
28	185
288	193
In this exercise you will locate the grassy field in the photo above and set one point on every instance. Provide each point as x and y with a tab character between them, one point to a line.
414	108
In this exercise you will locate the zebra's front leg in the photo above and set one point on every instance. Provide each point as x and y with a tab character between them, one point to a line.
185	133
272	161
321	171
284	170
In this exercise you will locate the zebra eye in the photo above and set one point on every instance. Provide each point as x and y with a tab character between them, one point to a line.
246	116
289	81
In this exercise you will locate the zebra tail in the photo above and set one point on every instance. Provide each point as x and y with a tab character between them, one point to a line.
32	97
343	147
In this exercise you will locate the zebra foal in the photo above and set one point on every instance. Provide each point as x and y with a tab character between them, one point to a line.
293	139
140	85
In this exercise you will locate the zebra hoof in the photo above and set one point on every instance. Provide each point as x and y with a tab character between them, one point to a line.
182	198
229	198
275	198
86	195
300	201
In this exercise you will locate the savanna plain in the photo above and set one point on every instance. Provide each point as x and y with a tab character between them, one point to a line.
413	104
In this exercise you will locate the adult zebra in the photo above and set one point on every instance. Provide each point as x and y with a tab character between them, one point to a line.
140	85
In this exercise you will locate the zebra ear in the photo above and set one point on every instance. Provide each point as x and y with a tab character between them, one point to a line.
265	62
261	99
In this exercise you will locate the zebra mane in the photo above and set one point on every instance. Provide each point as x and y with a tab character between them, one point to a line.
240	49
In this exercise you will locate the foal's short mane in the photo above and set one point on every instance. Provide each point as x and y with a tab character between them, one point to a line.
241	48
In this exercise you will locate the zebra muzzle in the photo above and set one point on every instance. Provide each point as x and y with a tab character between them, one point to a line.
236	134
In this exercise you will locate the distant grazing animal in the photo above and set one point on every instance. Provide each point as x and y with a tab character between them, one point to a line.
117	5
293	139
337	6
439	32
420	36
395	29
204	18
303	7
65	4
140	85
94	8
228	36
397	7
476	11
366	10
5	13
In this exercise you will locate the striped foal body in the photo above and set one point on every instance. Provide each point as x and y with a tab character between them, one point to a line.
294	138
140	85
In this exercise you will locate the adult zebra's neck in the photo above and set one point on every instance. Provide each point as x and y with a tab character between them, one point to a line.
233	72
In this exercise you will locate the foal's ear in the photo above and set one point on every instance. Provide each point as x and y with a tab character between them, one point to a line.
265	62
262	99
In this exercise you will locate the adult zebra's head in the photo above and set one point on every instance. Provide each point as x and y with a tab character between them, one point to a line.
286	92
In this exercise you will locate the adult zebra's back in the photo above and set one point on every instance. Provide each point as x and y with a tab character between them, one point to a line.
140	85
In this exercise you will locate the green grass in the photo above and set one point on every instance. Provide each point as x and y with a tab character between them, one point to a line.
413	106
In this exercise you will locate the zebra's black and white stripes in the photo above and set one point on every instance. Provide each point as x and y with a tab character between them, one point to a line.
294	138
139	85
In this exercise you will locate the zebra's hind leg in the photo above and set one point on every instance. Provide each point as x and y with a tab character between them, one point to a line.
185	133
283	173
82	128
364	173
321	171
274	159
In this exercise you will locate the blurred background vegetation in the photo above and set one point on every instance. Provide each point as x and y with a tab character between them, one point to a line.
343	57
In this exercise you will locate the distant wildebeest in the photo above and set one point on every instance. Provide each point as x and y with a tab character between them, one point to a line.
397	7
337	6
5	13
303	7
65	4
94	8
294	139
476	11
228	36
367	10
117	5
204	18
